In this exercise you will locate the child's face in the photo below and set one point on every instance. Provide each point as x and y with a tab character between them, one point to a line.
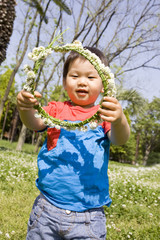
83	83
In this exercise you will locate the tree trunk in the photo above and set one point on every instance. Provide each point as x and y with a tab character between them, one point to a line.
137	148
22	138
146	155
14	125
33	137
5	118
38	142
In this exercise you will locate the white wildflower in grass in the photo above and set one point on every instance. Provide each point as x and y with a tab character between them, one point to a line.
109	226
123	205
7	235
18	169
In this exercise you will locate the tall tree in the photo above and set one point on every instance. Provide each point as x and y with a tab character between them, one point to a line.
10	103
147	126
7	16
18	59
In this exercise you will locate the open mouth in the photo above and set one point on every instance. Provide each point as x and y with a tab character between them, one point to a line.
83	91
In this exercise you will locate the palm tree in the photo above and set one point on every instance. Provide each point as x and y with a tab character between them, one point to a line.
135	102
7	16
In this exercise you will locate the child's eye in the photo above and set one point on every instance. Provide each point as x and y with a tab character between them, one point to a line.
74	76
91	77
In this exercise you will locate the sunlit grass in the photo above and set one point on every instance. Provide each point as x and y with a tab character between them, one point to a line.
135	210
135	191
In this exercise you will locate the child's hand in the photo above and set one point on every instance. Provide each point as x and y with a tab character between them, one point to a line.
111	111
26	101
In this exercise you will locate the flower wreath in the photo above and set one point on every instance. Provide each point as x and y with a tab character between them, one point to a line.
38	54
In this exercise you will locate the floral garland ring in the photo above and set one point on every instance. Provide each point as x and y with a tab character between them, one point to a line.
39	54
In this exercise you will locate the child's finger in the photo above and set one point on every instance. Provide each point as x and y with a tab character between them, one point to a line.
26	94
37	94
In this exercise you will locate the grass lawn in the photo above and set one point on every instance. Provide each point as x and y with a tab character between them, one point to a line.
135	192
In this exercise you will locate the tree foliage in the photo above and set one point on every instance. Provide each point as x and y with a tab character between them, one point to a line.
147	125
11	102
126	31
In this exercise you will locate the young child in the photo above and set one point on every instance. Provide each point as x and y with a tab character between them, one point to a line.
72	165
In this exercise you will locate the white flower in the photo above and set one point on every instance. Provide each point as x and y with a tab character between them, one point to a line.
35	50
109	226
83	129
93	55
111	76
40	48
77	42
31	75
93	125
30	56
27	88
51	125
102	66
26	68
35	58
7	235
37	115
111	82
45	120
49	51
29	81
57	127
49	122
107	70
123	205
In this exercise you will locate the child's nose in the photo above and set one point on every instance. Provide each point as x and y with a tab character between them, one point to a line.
82	81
